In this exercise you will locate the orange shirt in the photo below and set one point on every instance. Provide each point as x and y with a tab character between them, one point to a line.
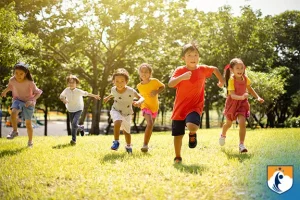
190	93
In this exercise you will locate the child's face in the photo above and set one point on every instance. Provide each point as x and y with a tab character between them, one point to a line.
19	75
238	70
144	73
72	84
191	58
120	82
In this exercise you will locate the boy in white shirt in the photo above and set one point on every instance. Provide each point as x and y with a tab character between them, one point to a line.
72	98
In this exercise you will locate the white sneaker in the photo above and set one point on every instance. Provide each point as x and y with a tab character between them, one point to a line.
30	144
222	140
242	148
12	135
145	148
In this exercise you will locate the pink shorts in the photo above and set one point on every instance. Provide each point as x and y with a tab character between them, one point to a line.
149	112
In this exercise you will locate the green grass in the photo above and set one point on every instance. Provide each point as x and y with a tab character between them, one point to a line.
53	169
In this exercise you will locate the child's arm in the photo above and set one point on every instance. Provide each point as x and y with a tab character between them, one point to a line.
3	94
254	94
94	96
33	101
237	97
140	100
219	76
106	99
174	81
155	92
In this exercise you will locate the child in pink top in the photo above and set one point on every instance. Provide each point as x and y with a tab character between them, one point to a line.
149	88
237	105
25	93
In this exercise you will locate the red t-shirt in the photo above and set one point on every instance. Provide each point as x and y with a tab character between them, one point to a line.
190	93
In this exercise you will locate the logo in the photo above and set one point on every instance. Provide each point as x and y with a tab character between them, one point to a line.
280	178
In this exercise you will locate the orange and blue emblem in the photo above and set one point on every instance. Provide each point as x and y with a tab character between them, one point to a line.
280	178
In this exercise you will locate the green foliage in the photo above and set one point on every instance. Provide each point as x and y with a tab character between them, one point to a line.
53	169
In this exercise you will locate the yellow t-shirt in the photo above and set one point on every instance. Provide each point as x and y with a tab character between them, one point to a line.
231	83
145	89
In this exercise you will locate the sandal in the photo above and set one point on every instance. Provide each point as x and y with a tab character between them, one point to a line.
177	160
194	139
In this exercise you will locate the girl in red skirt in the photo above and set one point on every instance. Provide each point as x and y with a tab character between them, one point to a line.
237	106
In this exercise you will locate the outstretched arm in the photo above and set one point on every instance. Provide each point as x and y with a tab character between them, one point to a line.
106	99
219	76
3	94
254	94
94	96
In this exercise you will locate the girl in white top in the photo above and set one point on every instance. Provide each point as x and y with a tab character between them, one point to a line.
72	98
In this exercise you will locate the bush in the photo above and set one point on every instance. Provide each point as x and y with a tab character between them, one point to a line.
293	122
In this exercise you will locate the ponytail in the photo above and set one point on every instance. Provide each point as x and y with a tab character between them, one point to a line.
24	67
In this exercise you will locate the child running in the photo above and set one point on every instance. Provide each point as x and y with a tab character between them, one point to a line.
189	81
237	106
121	110
149	88
72	98
25	93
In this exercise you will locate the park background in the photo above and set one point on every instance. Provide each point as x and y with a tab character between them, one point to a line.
93	38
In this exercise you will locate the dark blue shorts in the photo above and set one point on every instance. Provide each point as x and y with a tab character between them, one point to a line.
178	126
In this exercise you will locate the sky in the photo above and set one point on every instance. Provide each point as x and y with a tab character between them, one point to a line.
267	7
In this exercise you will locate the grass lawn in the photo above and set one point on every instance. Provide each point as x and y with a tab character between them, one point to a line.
53	169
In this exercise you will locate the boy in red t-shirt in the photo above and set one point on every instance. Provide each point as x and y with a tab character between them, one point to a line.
189	81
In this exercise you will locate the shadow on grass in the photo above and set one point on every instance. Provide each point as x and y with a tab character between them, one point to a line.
11	152
112	157
240	156
192	169
62	146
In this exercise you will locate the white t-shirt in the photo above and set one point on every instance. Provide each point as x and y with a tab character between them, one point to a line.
74	97
123	102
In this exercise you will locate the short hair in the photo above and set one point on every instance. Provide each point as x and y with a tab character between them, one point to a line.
189	47
121	72
72	77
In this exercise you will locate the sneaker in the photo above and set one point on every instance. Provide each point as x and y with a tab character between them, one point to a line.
72	142
12	135
145	148
177	160
128	149
115	145
222	140
30	144
81	129
242	148
192	140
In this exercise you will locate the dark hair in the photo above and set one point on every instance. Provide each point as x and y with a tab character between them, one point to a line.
72	77
24	67
189	47
148	66
121	72
231	64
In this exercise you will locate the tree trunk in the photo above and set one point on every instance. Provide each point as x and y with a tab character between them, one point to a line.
85	110
135	111
46	121
96	117
207	124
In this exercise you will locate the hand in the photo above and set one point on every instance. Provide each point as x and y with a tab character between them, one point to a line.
153	93
245	95
220	84
3	94
186	75
29	103
260	100
106	99
137	104
65	101
97	97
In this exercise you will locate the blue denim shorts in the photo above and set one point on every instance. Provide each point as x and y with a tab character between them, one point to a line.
27	112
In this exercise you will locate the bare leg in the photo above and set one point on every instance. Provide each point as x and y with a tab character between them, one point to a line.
177	145
127	138
29	129
117	126
242	124
14	119
226	126
149	128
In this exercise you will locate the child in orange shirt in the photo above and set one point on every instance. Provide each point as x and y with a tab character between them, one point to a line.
189	81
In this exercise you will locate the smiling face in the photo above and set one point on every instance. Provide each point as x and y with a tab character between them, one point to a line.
19	75
191	59
144	73
238	70
120	83
72	83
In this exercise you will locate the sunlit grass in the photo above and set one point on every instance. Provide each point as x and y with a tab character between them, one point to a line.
53	169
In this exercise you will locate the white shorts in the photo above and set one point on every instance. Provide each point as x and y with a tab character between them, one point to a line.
125	125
